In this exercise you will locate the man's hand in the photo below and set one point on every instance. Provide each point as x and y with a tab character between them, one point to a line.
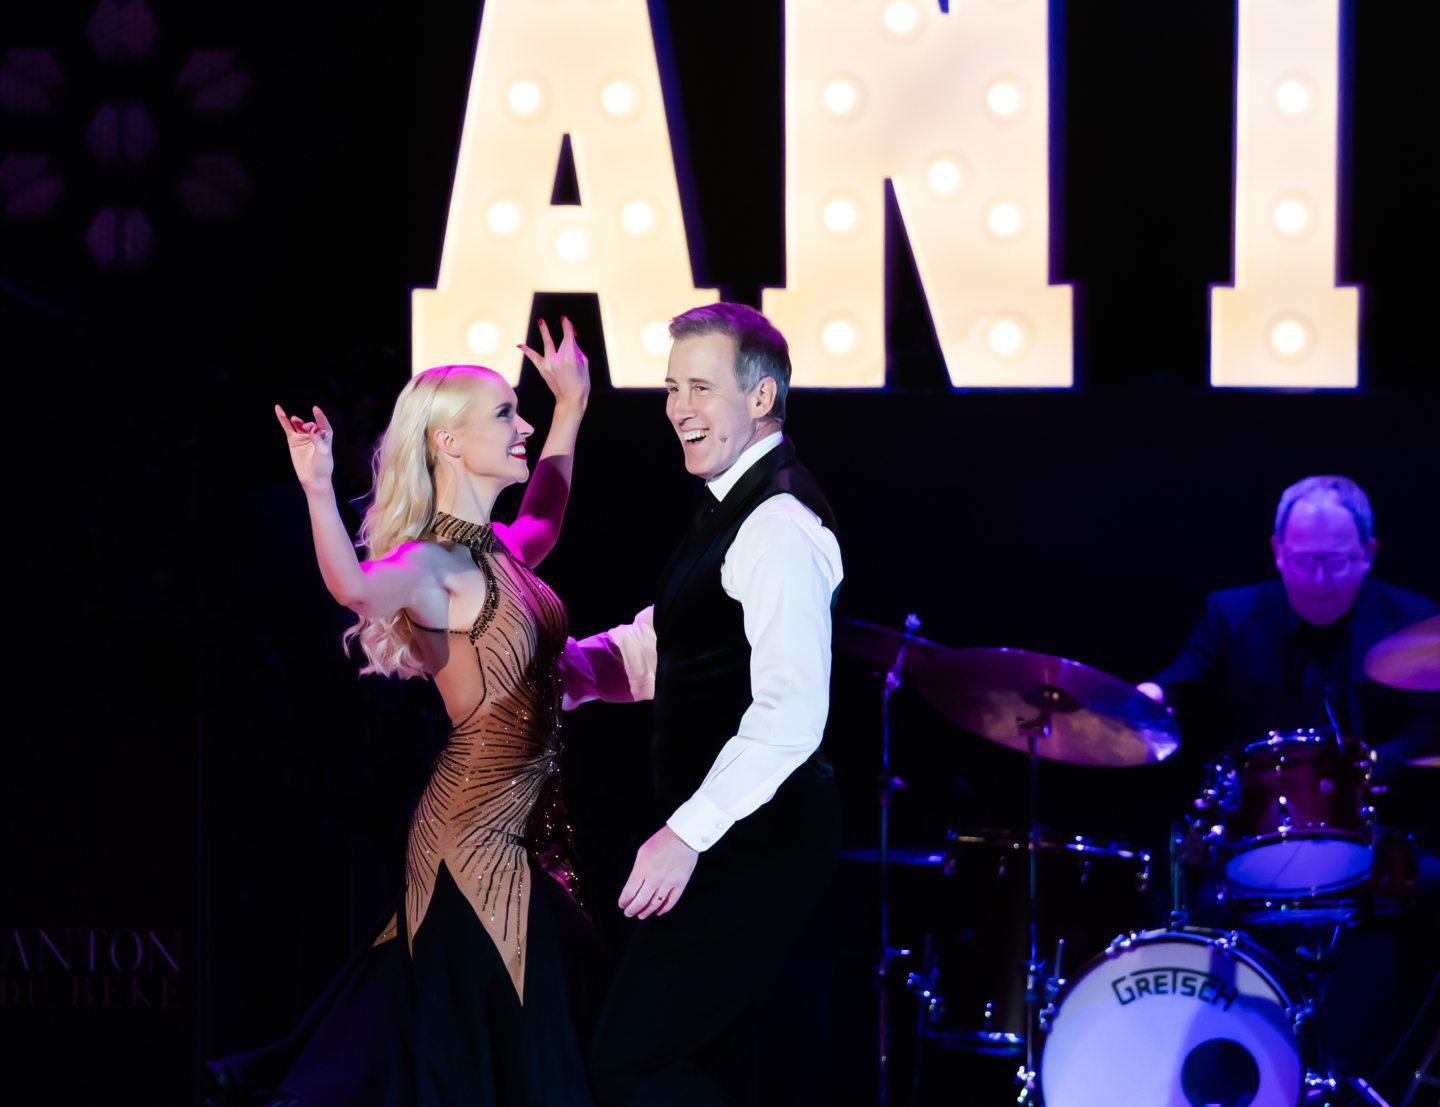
662	870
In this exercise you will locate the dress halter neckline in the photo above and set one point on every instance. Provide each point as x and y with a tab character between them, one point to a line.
479	537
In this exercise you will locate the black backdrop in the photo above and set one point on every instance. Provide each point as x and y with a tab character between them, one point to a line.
194	773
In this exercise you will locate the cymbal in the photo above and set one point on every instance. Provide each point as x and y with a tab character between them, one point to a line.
1431	761
1408	659
881	644
1095	719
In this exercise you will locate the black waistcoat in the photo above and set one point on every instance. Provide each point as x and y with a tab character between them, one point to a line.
702	673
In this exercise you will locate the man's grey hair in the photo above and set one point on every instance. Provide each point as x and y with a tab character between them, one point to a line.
760	350
1341	491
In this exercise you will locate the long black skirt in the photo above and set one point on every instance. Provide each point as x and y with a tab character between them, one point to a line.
441	1028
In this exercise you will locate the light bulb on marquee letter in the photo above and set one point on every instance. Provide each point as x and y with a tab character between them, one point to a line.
952	107
1284	323
505	241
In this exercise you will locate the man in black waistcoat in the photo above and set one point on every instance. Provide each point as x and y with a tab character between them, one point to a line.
736	652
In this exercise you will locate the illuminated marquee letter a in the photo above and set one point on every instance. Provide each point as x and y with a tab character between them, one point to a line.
544	71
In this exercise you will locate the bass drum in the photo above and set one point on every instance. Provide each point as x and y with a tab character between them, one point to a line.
1175	1018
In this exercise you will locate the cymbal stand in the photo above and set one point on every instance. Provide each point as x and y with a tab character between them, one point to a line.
888	786
1051	700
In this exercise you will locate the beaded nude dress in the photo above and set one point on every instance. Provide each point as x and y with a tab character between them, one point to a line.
495	789
478	989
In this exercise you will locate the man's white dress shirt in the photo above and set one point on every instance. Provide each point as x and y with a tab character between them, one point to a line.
782	568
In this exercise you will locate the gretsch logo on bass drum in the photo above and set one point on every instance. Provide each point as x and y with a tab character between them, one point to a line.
1202	986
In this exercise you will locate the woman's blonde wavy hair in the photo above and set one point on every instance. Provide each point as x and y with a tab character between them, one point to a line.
402	503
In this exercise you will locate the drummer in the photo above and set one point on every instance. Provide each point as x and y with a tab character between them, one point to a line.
1288	653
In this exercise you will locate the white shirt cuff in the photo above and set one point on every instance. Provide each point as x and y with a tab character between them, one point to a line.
700	822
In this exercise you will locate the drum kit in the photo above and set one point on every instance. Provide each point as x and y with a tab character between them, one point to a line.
1205	1010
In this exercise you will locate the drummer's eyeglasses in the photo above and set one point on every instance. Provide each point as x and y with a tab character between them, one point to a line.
1333	565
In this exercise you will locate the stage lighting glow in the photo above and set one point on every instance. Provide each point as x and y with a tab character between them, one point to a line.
1291	216
946	176
638	217
866	105
841	215
1292	96
572	246
482	337
1290	337
524	98
1004	98
1006	337
503	217
1004	220
656	338
543	71
619	98
838	336
1285	322
901	18
841	96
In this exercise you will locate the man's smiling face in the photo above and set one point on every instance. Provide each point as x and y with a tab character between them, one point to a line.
714	418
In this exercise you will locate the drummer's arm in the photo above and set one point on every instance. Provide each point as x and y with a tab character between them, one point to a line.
1197	661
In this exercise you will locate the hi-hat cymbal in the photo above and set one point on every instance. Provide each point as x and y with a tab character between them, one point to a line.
1408	659
1095	719
882	644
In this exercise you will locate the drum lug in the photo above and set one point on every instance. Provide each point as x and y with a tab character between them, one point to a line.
1121	942
1025	1078
923	985
1300	1013
1229	940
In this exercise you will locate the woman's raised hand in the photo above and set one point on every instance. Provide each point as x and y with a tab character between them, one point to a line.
566	369
311	446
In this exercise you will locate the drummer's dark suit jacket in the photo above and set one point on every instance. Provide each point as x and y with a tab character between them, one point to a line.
1251	665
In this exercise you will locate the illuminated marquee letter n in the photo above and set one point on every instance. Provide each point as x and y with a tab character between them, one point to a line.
952	107
544	71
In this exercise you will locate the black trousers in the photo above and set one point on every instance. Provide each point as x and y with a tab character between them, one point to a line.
675	1028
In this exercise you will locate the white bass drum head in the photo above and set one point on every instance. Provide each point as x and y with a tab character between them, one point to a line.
1173	1019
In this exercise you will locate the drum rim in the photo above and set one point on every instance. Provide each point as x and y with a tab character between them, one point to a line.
1300	833
1016	842
1299	736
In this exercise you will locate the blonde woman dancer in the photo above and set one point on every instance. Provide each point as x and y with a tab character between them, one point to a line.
467	995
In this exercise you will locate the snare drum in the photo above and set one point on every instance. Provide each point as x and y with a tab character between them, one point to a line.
1296	814
1175	1017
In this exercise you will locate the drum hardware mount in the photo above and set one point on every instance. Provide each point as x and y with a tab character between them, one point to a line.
889	784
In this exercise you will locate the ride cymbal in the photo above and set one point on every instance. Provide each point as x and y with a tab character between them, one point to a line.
1093	718
1409	659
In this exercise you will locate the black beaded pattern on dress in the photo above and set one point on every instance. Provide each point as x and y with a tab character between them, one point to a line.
495	788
